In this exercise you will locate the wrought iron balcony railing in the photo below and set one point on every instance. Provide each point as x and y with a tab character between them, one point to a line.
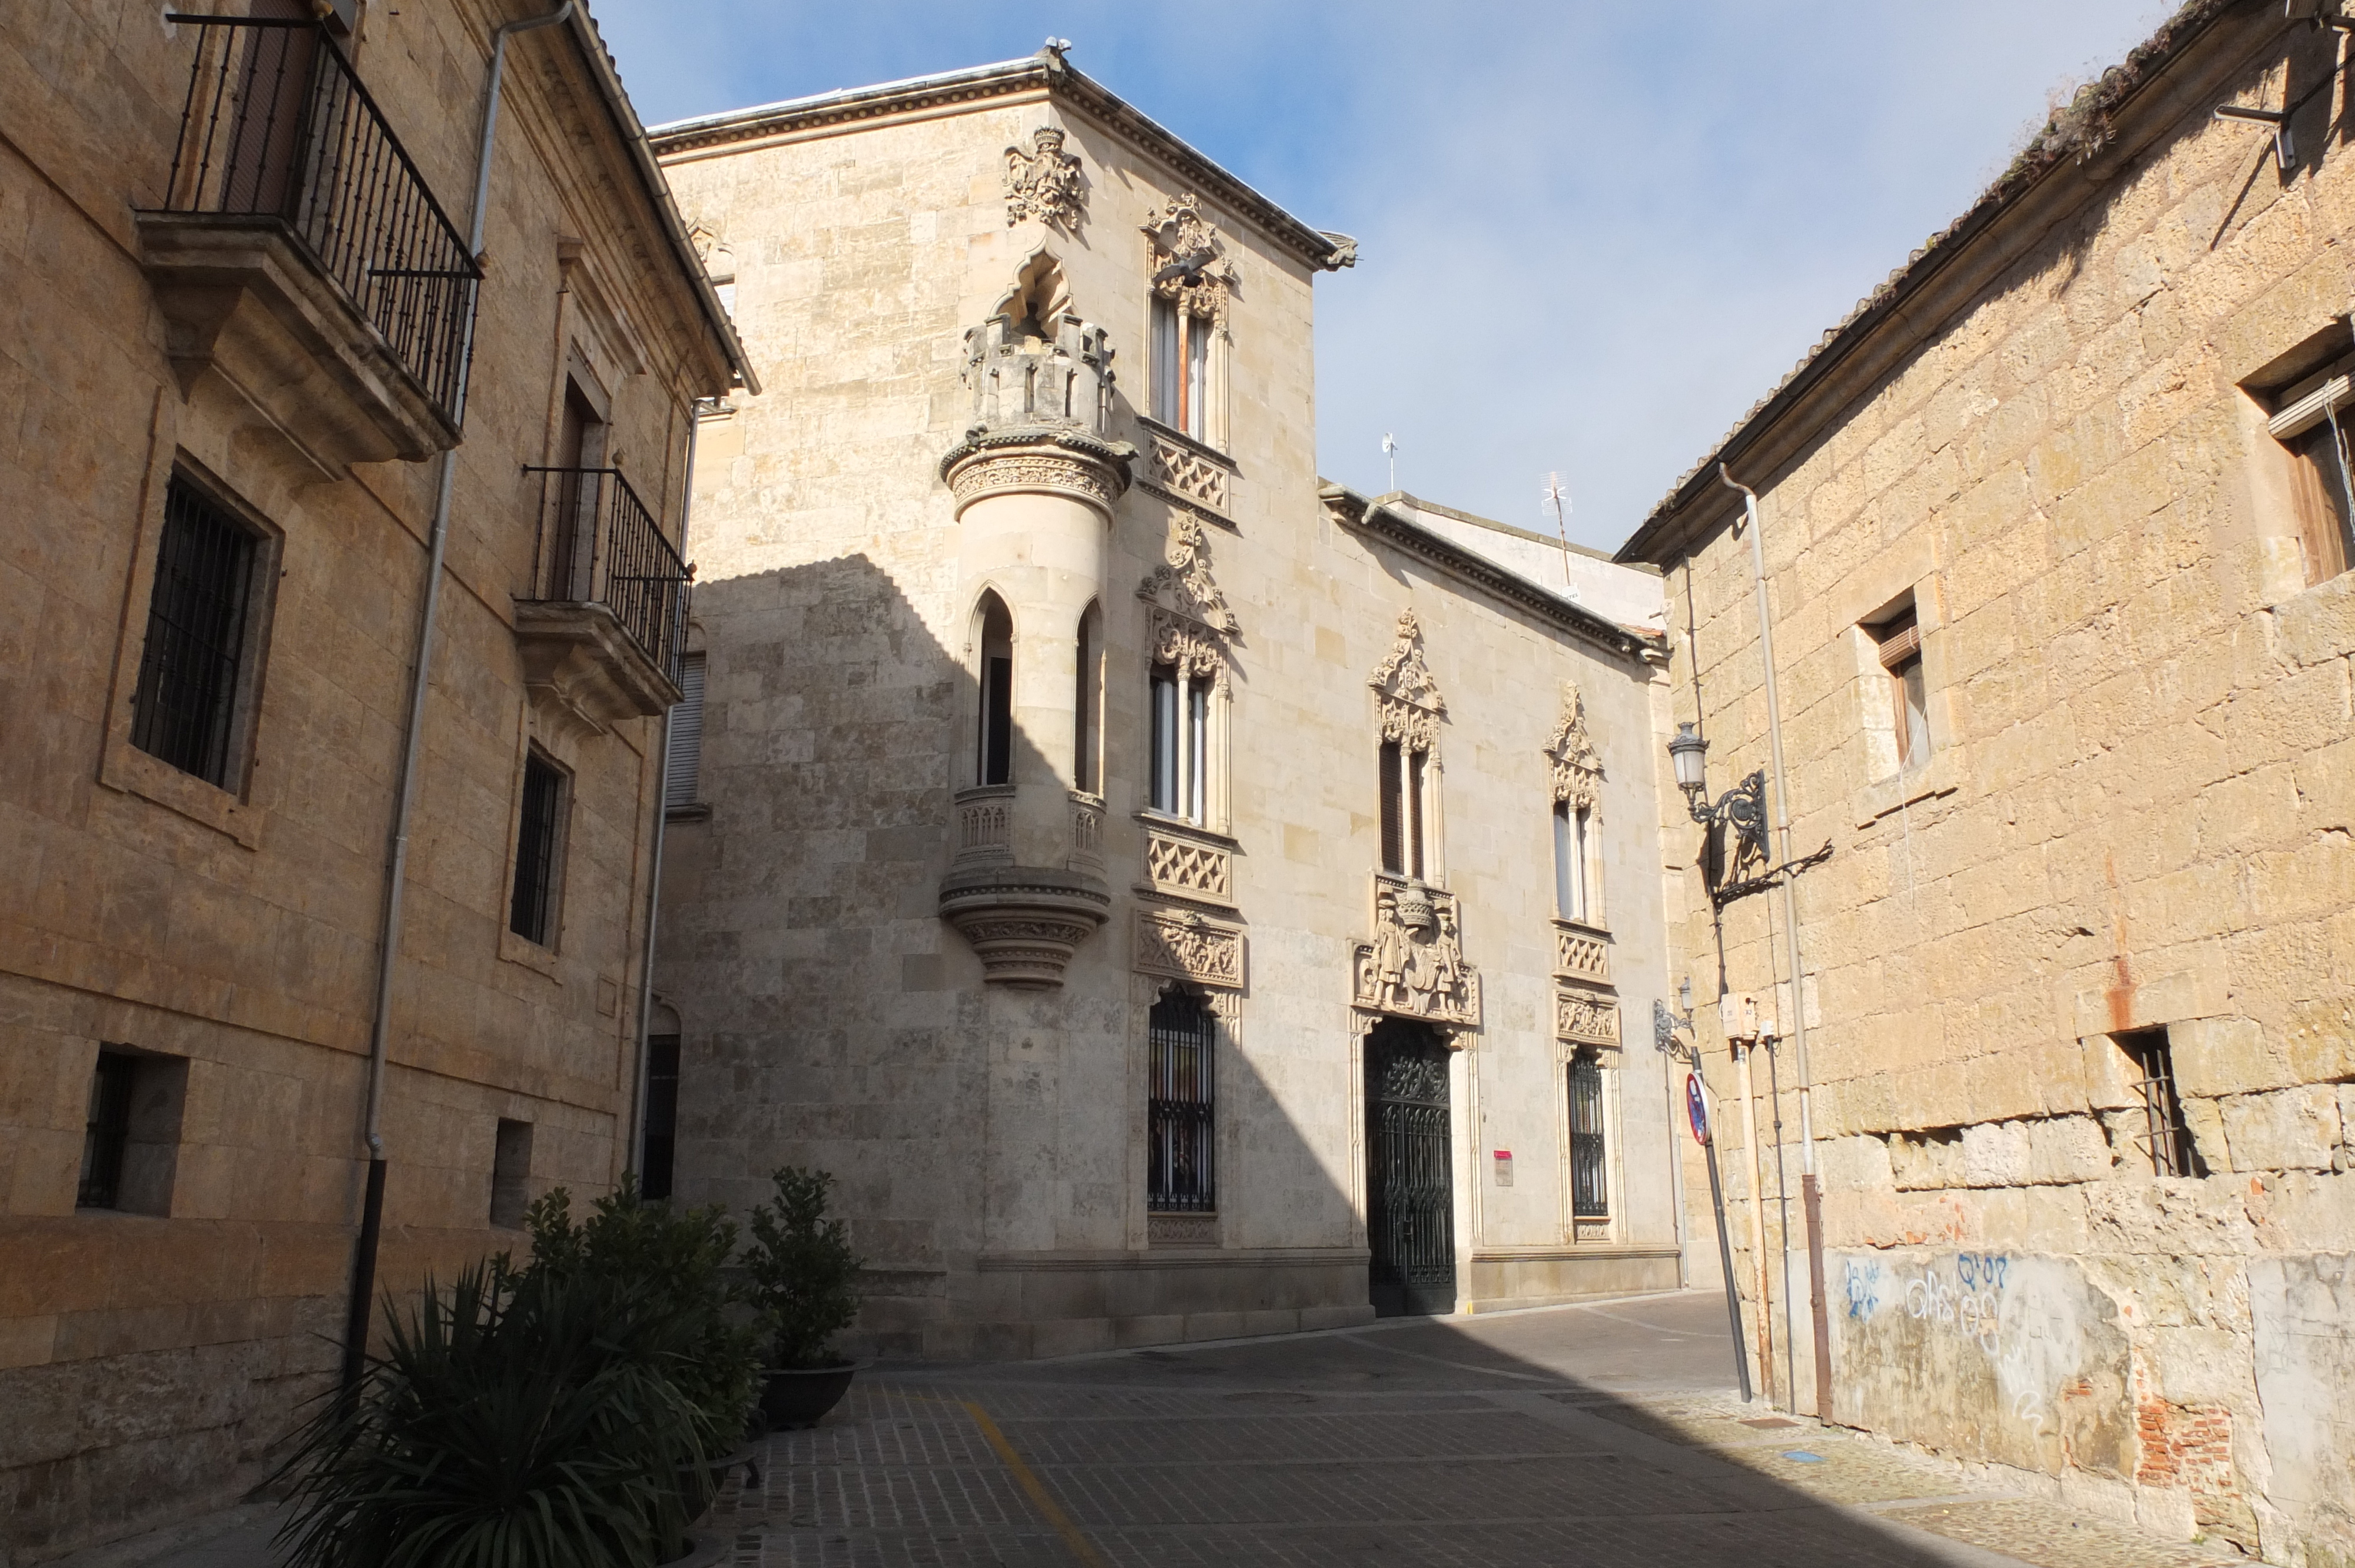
599	544
277	127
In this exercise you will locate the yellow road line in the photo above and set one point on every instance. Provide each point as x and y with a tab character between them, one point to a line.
1035	1489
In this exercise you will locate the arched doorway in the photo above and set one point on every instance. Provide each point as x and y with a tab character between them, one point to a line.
1409	1171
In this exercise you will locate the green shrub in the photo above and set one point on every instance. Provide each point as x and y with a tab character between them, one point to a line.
803	1274
563	1413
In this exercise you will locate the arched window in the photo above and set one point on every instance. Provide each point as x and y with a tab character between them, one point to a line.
1181	1035
1087	708
993	734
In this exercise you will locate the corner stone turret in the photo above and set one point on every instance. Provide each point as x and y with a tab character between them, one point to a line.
1035	481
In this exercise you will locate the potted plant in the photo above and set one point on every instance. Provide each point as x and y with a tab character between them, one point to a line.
802	1282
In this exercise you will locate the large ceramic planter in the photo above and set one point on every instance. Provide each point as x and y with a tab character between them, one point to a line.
793	1397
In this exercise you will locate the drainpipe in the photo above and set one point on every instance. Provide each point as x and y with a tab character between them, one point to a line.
1811	1193
634	1133
356	1321
1764	1321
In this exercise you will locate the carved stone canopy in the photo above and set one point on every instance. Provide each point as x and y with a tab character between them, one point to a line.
1577	766
1045	182
1191	626
1024	922
1408	697
1189	266
1414	967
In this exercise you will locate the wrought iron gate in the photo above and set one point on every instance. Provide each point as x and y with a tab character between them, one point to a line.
1590	1180
1410	1172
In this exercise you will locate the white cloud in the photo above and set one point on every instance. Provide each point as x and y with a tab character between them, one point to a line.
1592	234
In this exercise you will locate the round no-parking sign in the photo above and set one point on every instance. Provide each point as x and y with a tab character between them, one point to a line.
1696	1108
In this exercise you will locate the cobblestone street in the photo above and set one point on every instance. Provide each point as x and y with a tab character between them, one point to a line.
1600	1434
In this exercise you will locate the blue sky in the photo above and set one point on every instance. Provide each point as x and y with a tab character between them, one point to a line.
1592	235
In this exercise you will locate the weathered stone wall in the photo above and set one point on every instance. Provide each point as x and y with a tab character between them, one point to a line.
990	1143
149	1361
2137	815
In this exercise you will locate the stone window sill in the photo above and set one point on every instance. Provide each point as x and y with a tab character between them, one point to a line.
126	767
1942	775
523	950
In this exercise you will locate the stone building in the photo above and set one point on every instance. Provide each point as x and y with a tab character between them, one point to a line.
2055	540
241	297
1127	865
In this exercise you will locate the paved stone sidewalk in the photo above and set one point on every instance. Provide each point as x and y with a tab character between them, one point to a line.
1599	1434
1492	1443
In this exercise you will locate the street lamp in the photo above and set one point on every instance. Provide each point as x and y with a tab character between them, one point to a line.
1740	812
1688	753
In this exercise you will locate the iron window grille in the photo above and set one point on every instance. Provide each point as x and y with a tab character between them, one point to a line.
531	914
107	1134
2165	1137
1590	1178
183	710
1182	1036
278	127
599	544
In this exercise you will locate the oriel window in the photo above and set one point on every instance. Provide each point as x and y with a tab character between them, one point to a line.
193	669
1180	1110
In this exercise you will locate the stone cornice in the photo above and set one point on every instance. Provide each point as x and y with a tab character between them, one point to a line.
1394	527
1042	74
2166	86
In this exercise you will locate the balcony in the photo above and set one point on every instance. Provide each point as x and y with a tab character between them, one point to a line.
299	254
601	629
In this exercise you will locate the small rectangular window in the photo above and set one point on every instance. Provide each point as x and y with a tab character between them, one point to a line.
682	768
107	1132
539	843
1899	644
1590	1170
510	1174
2164	1133
662	1115
192	666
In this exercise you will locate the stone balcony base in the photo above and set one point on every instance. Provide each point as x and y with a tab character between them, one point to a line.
1024	922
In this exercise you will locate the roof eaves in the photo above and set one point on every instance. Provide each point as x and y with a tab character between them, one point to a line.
1046	72
2072	136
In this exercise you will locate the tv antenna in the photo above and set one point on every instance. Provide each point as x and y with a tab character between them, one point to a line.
1389	450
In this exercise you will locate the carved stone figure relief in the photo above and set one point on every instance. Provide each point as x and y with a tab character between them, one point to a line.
1044	183
1577	766
1587	1017
1188	261
1186	946
1409	698
1414	967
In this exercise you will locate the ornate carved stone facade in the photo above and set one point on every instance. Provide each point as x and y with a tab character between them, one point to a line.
1189	264
1577	766
1045	182
1588	1017
1197	478
1414	967
1581	954
1408	698
1188	946
1179	863
1191	625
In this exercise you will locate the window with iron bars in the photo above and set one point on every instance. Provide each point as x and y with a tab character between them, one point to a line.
1590	1170
107	1133
539	843
192	666
1182	1039
2164	1135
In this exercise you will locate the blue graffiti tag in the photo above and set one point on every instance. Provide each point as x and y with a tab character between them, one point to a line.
1863	1290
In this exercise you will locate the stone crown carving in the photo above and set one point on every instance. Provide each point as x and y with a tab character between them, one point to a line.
1044	183
1577	766
1414	967
1189	264
1040	378
1405	692
1191	625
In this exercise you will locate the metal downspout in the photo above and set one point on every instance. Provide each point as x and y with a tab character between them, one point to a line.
1811	1194
635	1131
356	1321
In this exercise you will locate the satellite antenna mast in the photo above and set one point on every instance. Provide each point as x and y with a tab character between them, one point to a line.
1389	450
1558	494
